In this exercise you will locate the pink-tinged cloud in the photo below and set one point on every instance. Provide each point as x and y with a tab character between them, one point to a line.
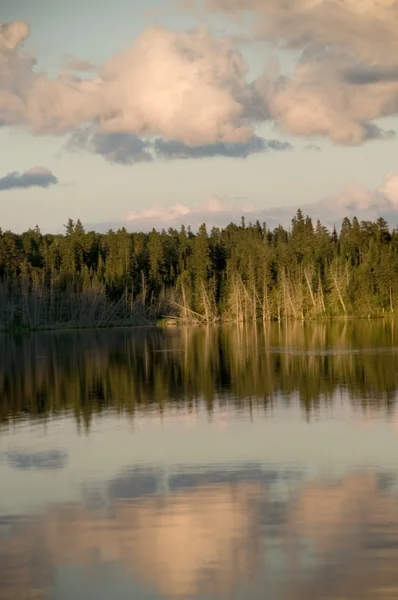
188	86
366	28
347	76
192	88
184	86
35	177
211	209
319	100
13	35
355	200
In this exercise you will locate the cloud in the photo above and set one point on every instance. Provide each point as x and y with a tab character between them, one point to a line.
35	177
189	92
317	100
347	74
118	147
214	212
374	132
366	28
189	86
175	149
13	34
363	75
355	200
128	149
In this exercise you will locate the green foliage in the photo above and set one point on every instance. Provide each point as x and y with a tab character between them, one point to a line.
242	272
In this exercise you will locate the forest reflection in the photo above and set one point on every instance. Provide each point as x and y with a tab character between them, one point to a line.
87	372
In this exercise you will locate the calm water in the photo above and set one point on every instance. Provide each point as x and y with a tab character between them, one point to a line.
221	463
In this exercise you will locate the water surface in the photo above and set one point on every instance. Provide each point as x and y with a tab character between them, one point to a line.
200	463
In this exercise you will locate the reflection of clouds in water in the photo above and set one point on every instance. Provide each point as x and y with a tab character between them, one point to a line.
46	459
213	535
199	538
203	535
221	420
353	525
193	540
326	511
369	418
393	421
26	563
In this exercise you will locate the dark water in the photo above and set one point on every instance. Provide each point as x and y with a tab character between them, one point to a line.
222	463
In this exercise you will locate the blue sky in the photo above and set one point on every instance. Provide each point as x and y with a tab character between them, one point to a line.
101	190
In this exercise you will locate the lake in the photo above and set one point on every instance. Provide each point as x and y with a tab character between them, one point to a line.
200	463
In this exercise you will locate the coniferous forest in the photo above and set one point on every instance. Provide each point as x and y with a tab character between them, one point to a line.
239	273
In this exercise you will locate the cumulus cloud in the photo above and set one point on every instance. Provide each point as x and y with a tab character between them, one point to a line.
13	34
35	177
191	89
189	86
317	100
365	27
347	75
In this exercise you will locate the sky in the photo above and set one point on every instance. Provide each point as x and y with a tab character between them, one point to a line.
163	112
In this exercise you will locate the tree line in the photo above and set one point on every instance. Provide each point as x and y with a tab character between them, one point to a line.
239	273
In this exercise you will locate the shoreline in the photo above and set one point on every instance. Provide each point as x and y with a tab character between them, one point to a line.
172	323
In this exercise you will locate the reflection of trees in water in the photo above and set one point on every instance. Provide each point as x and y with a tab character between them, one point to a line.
87	372
217	536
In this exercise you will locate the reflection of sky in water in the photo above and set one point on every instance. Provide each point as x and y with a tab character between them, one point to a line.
240	502
104	582
281	440
211	539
